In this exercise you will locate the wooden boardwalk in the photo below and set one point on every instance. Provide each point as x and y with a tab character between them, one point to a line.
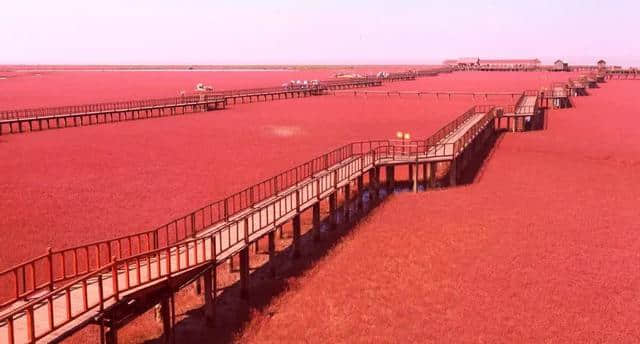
18	121
437	94
53	313
27	120
523	114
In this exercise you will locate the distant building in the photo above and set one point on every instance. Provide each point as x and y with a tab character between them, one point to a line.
560	66
510	63
602	64
496	64
462	63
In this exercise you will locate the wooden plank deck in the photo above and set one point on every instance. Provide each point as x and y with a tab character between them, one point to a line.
443	150
525	107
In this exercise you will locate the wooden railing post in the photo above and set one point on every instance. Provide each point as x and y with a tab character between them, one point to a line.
246	230
101	291
31	338
193	225
50	263
226	209
114	278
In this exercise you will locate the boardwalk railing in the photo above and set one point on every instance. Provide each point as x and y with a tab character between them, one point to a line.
88	114
103	288
449	127
450	94
43	272
98	108
468	136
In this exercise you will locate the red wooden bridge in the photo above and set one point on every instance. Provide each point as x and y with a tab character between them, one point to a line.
79	115
435	93
18	121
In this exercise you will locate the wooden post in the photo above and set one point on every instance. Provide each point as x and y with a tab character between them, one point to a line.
432	174
390	178
209	296
111	336
316	221
272	252
173	317
411	172
50	265
244	273
453	172
360	182
165	315
333	202
347	201
373	183
425	174
296	236
100	329
415	177
197	284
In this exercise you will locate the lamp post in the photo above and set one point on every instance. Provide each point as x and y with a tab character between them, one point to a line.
404	137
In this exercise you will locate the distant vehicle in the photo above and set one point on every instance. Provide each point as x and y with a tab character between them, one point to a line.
348	76
201	87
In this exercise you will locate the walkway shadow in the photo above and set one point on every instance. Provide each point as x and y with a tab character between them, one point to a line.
476	167
233	313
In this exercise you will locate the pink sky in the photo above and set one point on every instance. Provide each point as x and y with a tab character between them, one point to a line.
331	32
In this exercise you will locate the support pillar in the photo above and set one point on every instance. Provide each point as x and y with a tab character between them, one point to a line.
165	316
272	253
390	178
316	221
373	184
197	286
244	273
296	236
411	172
347	202
360	182
111	336
453	172
425	174
333	203
415	177
209	296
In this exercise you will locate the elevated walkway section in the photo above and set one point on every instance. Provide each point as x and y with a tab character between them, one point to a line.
57	308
